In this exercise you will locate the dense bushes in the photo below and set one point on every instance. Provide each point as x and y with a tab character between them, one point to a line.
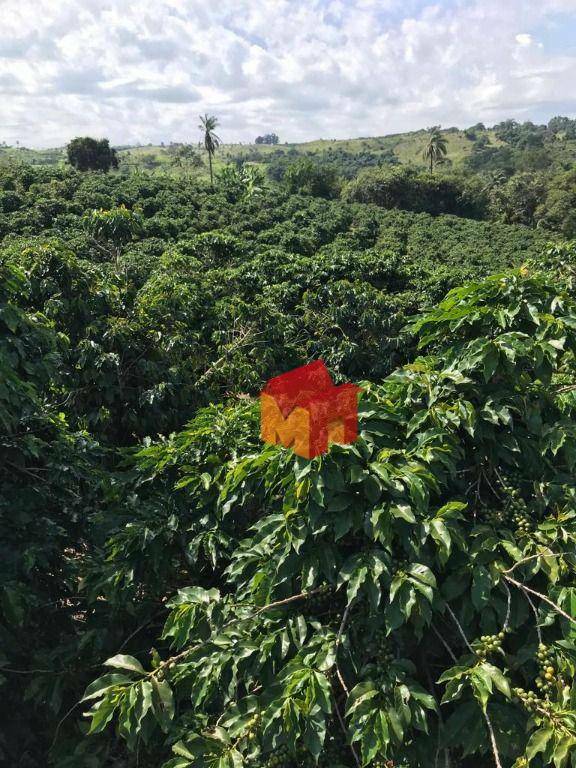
242	290
128	307
413	190
309	178
558	209
410	589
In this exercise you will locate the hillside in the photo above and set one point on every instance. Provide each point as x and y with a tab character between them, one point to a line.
348	155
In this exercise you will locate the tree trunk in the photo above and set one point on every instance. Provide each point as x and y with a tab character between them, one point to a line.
211	174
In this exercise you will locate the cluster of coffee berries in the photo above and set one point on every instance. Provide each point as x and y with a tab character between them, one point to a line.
513	478
252	725
547	679
517	510
496	516
529	699
489	644
379	763
303	758
523	523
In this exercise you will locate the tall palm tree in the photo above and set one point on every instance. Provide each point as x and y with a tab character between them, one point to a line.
208	125
436	147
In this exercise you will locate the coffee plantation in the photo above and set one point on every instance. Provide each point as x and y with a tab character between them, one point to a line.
175	593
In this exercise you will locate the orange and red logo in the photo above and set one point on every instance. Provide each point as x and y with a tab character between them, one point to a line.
305	410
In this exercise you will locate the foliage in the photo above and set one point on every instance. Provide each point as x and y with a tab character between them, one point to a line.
144	523
192	298
87	154
117	226
557	211
409	189
268	138
436	148
208	125
441	546
516	201
305	177
49	480
238	182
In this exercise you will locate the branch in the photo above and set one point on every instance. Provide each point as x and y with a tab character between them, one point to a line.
486	716
493	741
337	645
451	612
444	643
567	388
32	671
235	620
508	602
139	629
345	732
542	597
341	679
187	651
278	603
533	557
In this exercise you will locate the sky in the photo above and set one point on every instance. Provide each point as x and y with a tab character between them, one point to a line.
140	71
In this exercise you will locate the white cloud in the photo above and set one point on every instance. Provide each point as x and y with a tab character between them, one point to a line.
142	70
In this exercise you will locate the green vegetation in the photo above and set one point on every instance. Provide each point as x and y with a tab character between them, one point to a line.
173	592
208	125
86	154
436	148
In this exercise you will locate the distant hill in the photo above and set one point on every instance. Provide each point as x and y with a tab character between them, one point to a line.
509	146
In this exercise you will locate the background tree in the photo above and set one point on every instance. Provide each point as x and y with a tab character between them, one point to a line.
88	154
309	178
208	125
436	147
184	156
268	138
517	201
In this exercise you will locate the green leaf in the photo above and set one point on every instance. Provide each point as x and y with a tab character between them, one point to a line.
182	750
562	750
422	573
498	678
538	742
125	662
103	684
102	714
490	361
481	586
358	695
403	512
163	703
441	535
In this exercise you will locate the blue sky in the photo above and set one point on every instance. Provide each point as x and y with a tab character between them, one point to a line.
142	70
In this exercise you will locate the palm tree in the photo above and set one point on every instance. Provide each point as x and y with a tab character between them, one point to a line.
436	148
208	125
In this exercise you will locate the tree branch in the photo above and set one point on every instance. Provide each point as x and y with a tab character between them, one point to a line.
556	607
